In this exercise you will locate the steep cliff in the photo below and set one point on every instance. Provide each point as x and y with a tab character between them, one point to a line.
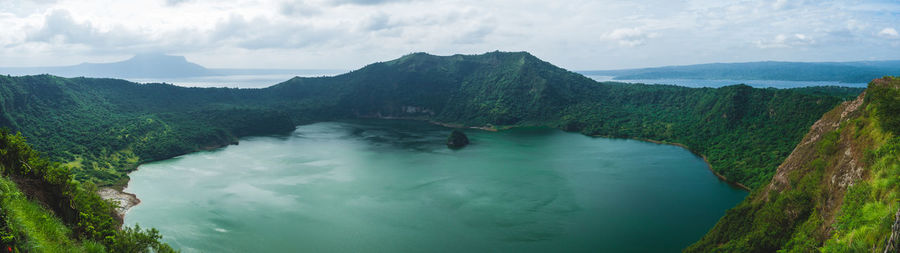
836	192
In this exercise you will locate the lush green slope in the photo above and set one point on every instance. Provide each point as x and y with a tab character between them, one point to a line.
837	192
44	209
849	72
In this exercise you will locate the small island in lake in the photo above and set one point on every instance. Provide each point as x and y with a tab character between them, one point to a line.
457	139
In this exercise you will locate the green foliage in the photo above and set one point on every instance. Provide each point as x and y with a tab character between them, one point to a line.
868	209
744	132
30	226
829	142
137	240
76	212
885	97
103	128
806	238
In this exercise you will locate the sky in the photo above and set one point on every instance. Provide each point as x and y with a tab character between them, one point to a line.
348	34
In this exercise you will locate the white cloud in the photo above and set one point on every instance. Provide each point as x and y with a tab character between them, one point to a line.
61	28
786	41
366	2
778	4
176	2
630	37
888	33
576	34
292	8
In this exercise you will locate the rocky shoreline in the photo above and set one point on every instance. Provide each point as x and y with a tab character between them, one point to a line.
123	200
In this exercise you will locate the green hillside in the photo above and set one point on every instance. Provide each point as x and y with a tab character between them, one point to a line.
837	192
44	209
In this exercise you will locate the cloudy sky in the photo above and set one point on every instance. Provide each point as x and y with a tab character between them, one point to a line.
347	34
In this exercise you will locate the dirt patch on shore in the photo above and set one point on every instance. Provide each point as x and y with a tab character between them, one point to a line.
123	200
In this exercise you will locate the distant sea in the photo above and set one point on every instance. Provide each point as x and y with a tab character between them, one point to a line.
695	83
232	81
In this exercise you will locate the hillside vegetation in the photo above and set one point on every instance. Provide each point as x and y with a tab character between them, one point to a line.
44	209
837	192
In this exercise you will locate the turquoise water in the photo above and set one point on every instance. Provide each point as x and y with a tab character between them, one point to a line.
393	186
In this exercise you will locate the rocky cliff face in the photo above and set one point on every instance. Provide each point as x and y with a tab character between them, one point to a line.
845	169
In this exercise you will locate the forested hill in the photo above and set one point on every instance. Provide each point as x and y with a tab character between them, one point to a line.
848	72
103	128
493	88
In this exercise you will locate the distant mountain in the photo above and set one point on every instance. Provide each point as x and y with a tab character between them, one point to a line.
847	72
152	65
143	65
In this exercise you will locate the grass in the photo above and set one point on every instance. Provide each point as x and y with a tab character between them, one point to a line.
37	228
868	208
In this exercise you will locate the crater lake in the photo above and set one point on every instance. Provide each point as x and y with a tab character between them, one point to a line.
394	186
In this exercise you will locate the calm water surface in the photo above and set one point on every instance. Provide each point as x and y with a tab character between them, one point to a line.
700	83
393	186
235	81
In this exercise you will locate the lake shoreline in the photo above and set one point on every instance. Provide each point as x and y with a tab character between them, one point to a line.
124	201
493	128
708	165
